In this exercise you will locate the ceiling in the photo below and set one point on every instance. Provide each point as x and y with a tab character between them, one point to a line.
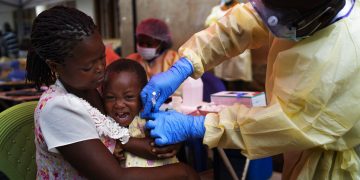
27	3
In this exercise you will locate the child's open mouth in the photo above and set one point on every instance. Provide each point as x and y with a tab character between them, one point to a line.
122	118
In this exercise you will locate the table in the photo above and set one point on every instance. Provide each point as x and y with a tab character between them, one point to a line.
10	98
10	85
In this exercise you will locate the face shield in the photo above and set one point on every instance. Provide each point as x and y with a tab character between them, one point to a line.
293	24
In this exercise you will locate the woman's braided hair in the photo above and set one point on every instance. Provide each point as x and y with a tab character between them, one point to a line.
55	33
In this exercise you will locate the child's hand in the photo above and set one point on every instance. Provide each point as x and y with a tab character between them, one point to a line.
145	148
164	152
141	147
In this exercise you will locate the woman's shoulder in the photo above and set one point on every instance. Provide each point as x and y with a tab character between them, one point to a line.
55	96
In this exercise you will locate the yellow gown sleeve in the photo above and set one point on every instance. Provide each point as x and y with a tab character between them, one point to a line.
258	132
281	127
238	30
213	16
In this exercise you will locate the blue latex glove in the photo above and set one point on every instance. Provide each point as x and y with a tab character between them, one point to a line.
162	85
171	127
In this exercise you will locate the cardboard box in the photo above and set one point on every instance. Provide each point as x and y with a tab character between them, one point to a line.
249	99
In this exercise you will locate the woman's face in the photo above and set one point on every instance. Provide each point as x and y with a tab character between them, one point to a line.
121	94
85	69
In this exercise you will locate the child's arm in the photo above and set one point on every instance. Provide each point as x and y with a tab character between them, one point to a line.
168	151
140	147
93	160
145	148
164	151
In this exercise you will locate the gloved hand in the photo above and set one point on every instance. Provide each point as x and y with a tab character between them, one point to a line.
170	127
162	85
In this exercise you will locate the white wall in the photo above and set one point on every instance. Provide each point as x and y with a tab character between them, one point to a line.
87	6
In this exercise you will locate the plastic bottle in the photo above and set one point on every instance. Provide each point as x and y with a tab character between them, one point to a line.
192	92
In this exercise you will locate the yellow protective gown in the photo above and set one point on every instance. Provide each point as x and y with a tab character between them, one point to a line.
313	91
236	68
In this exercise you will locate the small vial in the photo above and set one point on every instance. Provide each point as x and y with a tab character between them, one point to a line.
153	99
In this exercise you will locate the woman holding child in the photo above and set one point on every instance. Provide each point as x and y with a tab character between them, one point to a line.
73	137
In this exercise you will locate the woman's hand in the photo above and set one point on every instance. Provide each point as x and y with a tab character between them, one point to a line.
119	153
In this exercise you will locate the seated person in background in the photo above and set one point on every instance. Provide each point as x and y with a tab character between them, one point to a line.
10	42
153	47
124	80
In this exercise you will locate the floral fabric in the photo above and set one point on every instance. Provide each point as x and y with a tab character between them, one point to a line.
51	164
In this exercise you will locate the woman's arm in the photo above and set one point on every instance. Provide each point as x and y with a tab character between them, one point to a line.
93	160
82	148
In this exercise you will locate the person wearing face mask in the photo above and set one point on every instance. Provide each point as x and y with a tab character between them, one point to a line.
312	87
153	47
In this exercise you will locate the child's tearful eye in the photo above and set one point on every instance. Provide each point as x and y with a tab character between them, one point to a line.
86	69
130	97
109	97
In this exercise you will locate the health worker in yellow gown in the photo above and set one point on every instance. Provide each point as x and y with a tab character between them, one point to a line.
312	87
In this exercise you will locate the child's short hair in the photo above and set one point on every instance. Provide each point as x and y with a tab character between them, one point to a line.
55	33
127	65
